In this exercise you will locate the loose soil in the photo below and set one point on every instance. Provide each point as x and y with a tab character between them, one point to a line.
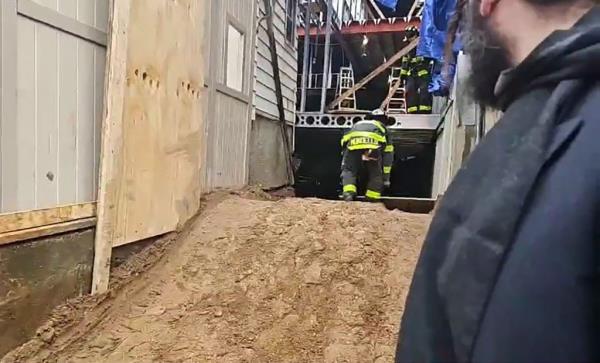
292	280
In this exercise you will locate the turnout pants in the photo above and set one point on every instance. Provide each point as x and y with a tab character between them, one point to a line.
418	98
351	166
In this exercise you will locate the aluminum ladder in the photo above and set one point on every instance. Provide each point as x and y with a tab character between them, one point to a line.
346	82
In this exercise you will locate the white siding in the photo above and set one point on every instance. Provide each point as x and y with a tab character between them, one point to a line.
54	140
228	109
265	100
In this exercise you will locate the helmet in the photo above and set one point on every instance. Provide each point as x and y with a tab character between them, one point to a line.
377	112
379	115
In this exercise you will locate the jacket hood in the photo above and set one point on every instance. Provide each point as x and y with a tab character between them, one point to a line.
565	54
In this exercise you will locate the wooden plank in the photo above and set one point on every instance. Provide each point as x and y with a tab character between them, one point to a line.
44	231
375	73
390	94
10	222
112	139
65	23
152	134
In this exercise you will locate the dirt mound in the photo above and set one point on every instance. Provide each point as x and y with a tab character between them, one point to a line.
258	281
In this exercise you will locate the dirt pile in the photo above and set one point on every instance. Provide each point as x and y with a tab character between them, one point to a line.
258	281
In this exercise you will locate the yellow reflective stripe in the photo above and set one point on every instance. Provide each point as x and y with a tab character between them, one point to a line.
373	135
389	149
387	169
373	194
375	123
363	147
412	109
425	108
422	73
350	188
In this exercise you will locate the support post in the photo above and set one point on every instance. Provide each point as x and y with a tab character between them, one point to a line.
112	137
306	55
328	26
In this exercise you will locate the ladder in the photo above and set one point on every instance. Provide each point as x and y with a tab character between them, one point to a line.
345	83
396	99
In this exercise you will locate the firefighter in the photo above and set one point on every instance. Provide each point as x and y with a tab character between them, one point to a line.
423	68
418	98
404	68
367	144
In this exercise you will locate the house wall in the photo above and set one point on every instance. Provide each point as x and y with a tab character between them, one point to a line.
265	100
53	60
52	64
228	111
267	165
459	136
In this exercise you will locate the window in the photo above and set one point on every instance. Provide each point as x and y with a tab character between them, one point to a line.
290	20
234	75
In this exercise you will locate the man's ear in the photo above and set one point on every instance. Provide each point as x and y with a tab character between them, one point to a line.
486	7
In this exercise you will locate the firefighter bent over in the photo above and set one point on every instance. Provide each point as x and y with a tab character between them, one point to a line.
368	143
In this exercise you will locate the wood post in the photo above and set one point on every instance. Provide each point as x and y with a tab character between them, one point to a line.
278	92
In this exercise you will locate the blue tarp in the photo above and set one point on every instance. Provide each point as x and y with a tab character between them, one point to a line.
436	15
391	4
434	26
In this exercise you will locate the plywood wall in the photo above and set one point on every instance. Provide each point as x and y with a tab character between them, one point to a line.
151	166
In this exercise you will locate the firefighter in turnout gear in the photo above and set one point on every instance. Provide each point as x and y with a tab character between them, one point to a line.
418	98
367	144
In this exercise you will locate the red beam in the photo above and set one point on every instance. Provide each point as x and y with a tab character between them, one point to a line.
368	28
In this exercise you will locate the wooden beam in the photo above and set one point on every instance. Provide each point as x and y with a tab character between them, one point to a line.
112	139
375	72
44	231
10	222
278	92
391	94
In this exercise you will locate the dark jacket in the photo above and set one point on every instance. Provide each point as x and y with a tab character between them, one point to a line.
510	269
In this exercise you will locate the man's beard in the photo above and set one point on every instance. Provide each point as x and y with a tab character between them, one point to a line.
488	56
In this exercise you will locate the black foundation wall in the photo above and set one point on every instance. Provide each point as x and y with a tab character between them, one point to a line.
38	275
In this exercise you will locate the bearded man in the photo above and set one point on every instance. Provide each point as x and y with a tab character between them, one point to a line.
510	269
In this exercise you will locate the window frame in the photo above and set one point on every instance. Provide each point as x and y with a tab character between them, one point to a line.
231	21
294	17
